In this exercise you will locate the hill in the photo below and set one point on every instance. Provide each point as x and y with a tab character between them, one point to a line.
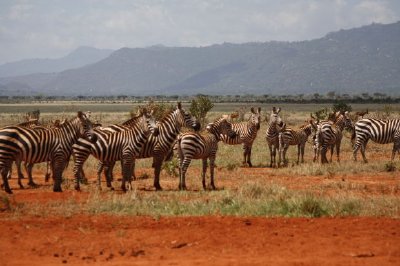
365	59
77	58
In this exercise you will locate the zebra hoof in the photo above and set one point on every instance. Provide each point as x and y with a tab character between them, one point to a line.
8	191
158	188
33	185
57	189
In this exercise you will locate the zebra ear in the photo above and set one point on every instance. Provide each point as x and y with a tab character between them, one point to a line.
80	114
252	110
278	110
259	109
179	106
274	109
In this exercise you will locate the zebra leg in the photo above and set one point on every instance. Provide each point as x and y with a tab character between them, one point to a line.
203	174
185	162
274	155
396	147
29	168
58	165
270	154
323	154
298	153
48	172
126	172
4	172
109	170
332	150
302	147
20	175
100	167
157	163
212	166
249	156
338	151
285	160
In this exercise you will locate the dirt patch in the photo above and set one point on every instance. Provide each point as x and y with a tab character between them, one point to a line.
116	240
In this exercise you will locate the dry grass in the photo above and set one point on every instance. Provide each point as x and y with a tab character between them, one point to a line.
248	198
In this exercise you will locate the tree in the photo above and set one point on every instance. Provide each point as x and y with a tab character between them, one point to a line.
342	107
200	106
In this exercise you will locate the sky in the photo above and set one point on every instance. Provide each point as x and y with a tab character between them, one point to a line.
53	28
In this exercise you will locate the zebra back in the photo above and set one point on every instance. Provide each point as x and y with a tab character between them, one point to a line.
246	132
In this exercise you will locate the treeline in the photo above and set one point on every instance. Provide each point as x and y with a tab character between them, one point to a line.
330	97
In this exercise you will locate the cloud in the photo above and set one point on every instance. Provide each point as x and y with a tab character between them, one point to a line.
51	28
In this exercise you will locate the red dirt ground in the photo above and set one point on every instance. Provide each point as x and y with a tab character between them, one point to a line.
115	240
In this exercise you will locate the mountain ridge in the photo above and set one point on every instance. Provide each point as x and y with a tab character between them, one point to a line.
357	60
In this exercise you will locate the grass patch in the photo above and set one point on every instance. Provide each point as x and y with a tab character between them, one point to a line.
252	199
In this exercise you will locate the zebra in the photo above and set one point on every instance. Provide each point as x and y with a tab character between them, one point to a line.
82	148
34	123
34	146
193	145
246	133
121	146
275	124
379	131
330	135
289	136
160	147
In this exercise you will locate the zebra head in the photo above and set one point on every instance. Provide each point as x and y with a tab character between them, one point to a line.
86	127
275	119
186	119
149	124
221	126
255	117
348	123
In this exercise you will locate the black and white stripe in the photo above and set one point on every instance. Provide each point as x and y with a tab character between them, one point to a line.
159	147
204	146
121	146
329	135
35	146
379	131
289	136
275	124
246	133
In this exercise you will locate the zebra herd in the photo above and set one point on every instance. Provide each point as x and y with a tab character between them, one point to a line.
144	137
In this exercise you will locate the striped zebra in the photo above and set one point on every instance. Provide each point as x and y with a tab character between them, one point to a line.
275	124
289	136
246	133
204	146
379	131
34	124
160	147
121	146
329	135
82	148
35	146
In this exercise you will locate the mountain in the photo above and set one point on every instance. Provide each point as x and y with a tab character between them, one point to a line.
81	56
365	59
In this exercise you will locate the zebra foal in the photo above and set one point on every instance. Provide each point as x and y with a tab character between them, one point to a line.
204	146
289	136
246	133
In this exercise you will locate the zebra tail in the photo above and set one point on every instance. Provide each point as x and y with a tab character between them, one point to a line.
280	138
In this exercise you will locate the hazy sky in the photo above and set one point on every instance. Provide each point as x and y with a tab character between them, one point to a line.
53	28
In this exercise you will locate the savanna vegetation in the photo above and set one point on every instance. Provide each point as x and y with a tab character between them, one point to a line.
309	189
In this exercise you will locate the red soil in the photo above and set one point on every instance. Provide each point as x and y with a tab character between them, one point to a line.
115	240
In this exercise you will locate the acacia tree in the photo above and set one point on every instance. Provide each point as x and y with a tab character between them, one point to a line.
200	106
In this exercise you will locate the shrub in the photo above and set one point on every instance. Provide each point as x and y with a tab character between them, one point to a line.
342	107
200	106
